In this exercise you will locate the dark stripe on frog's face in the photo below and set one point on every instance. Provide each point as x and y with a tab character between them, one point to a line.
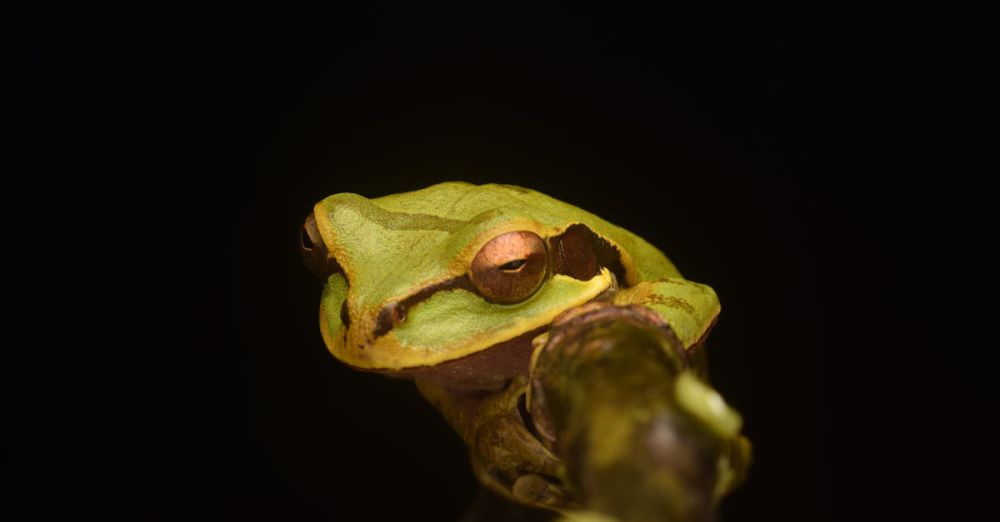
395	312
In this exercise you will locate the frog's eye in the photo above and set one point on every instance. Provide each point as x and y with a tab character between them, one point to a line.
313	250
510	267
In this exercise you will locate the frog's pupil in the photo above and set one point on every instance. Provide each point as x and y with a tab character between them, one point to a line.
306	242
511	266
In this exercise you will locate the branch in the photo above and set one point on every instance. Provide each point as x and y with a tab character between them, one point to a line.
643	439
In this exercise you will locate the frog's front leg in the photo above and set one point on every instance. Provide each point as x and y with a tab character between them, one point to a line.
689	308
505	455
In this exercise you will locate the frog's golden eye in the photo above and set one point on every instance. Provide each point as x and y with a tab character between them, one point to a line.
313	250
510	267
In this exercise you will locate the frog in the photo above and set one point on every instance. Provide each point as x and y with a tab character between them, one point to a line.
456	286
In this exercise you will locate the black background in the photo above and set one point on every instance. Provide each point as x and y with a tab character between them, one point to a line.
824	172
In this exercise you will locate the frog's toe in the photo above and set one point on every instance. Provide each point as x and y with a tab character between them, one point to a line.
507	443
537	490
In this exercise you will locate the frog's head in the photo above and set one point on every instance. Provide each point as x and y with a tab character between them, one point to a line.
427	282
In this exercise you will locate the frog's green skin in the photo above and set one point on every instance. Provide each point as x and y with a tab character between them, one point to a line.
397	300
406	245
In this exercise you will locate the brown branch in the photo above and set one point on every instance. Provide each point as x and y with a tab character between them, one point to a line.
605	397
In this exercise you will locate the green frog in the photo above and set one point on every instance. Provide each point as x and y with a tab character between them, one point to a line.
456	286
